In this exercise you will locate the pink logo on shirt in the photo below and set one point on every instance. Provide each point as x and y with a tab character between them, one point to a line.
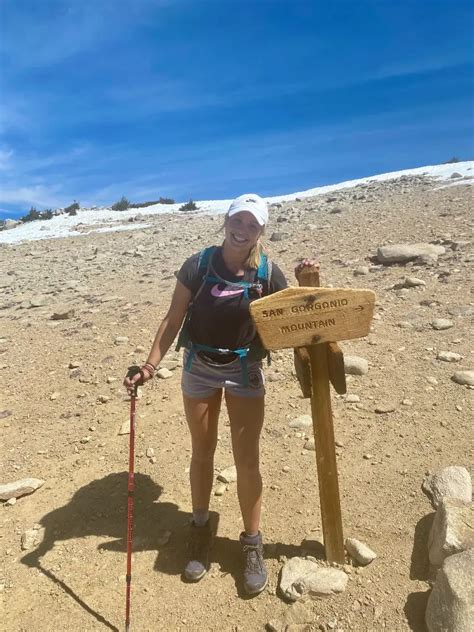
217	293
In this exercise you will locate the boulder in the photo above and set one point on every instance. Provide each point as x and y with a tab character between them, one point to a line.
300	577
452	530
451	482
450	606
402	253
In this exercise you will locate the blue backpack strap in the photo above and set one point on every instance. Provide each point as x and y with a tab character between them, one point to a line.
205	257
262	272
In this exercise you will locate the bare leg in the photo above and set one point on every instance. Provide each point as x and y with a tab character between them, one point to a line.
202	416
246	420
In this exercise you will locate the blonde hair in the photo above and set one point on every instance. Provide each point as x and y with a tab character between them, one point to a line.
255	254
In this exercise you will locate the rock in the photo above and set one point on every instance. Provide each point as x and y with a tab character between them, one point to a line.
352	399
5	413
150	452
302	422
466	378
355	365
300	577
278	236
39	301
63	315
361	271
74	365
450	606
31	538
10	502
453	481
103	399
20	488
455	174
385	408
432	380
54	396
228	475
448	356
359	551
310	445
402	253
220	489
409	282
298	614
121	340
441	323
164	373
461	311
125	428
452	530
163	537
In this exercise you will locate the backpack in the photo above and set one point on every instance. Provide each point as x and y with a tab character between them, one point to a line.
263	276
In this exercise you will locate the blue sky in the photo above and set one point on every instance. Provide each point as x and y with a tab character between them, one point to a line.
209	99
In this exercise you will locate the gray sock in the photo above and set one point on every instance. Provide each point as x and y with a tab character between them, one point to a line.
200	517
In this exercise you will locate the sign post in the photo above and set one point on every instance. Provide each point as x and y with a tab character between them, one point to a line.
311	319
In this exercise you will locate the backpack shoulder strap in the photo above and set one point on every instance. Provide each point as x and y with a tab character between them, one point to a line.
205	257
264	272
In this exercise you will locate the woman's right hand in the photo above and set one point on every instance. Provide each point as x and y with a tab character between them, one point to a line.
136	376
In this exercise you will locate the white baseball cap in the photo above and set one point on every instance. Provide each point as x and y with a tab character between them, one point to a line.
252	203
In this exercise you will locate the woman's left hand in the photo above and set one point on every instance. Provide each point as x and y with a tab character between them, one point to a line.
306	263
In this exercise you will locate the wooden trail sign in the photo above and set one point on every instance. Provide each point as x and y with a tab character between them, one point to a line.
301	316
311	319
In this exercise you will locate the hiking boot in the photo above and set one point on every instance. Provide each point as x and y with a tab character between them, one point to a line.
255	573
198	552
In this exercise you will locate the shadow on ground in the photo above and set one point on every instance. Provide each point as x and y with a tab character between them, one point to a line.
100	509
415	605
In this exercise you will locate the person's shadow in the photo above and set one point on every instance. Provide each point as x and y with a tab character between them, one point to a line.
100	509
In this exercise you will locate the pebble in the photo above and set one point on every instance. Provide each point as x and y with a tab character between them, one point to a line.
70	313
465	378
54	396
228	475
432	380
385	408
220	489
352	399
413	282
449	356
310	445
359	551
441	323
103	399
125	428
74	365
285	468
164	373
121	340
361	271
302	422
150	452
355	365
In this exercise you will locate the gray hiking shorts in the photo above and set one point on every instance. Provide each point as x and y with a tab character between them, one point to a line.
204	378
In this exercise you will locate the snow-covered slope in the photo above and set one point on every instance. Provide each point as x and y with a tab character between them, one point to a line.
103	220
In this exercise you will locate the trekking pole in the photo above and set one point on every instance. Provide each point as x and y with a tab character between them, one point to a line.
132	371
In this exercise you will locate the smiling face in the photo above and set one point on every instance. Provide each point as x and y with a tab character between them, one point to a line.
242	232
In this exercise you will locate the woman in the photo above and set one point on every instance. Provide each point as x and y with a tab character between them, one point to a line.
223	353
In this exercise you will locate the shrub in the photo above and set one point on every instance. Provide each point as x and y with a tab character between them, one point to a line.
122	205
451	160
47	214
72	208
189	206
166	201
31	216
